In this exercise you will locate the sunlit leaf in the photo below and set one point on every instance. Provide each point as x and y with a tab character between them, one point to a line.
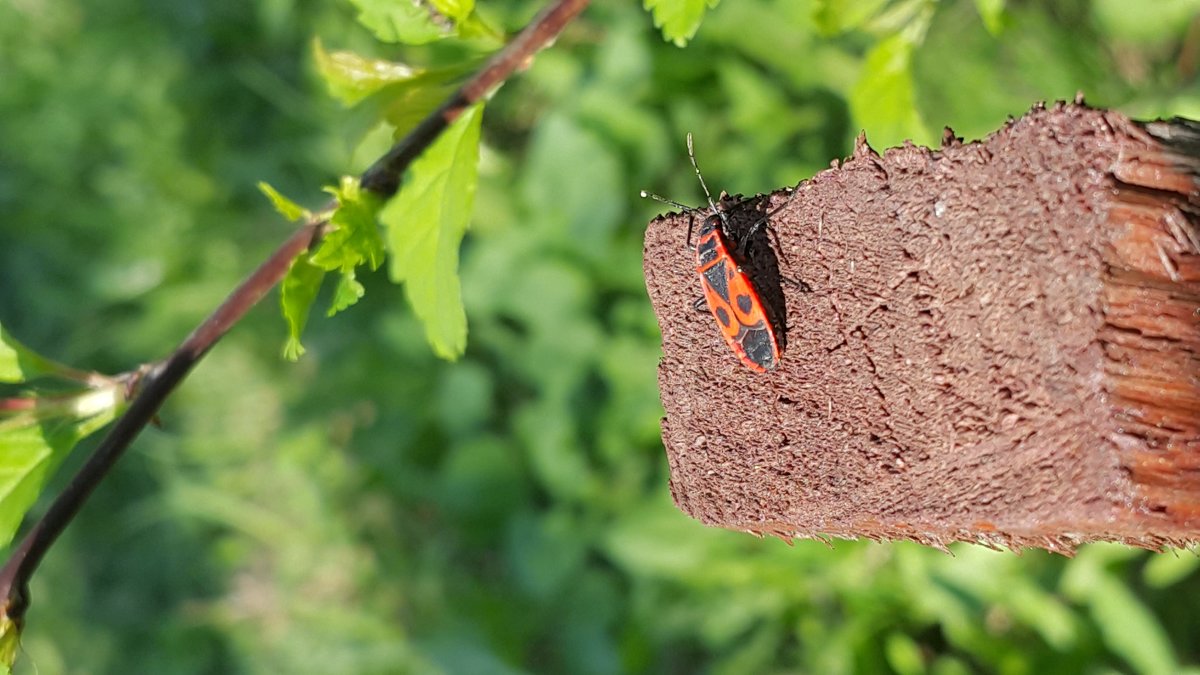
456	10
883	101
33	443
348	292
286	207
400	21
297	293
351	77
992	13
426	222
679	19
1167	569
354	238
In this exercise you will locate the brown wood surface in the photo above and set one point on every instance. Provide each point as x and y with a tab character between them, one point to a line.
994	342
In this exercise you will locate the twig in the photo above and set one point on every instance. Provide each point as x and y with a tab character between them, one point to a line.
383	178
157	385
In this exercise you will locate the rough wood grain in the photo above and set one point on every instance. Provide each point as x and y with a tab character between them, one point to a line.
995	342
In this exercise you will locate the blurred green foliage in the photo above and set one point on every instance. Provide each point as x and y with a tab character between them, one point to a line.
374	509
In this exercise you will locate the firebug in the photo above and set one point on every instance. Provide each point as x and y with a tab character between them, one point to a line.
730	294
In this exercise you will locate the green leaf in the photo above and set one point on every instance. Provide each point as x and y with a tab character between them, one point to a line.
351	77
34	442
883	100
286	207
838	16
402	21
348	292
296	296
426	222
1130	629
415	23
19	363
475	27
678	19
10	642
354	239
406	104
456	10
1046	613
1170	568
630	543
993	15
903	654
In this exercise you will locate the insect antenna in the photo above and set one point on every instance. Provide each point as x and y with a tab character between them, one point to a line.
707	194
664	200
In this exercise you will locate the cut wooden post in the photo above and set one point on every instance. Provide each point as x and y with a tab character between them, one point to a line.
995	342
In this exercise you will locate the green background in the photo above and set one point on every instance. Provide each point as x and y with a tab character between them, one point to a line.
373	509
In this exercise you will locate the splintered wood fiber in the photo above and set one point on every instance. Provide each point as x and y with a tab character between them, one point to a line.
949	371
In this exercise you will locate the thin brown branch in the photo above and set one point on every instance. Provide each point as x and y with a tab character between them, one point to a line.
157	386
383	178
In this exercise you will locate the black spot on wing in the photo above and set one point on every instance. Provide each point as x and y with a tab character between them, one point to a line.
715	277
744	303
722	316
760	347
